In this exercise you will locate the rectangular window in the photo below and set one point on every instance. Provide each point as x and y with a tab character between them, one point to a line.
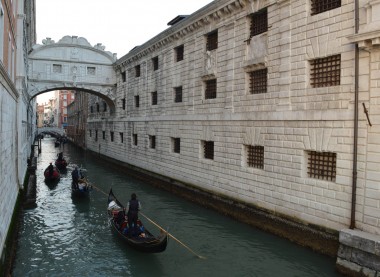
210	92
123	103
91	70
208	150
104	135
57	68
96	135
179	53
97	107
325	72
104	106
137	70
212	41
178	94
152	142
176	145
90	133
258	81
154	97
123	77
155	63
91	109
320	6
121	137
259	22
111	133
137	101
255	156
321	165
134	139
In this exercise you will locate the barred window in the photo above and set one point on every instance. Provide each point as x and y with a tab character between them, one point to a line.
179	53
258	81
178	94
121	137
325	72
152	142
123	77
111	133
320	6
208	150
137	101
91	70
137	70
176	145
104	134
154	97
210	92
259	22
155	63
212	41
321	165
57	68
255	156
134	139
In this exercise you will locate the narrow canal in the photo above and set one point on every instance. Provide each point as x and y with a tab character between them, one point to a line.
65	237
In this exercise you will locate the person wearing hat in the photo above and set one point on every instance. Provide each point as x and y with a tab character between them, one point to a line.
133	208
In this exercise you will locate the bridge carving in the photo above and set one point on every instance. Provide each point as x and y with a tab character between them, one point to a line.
72	64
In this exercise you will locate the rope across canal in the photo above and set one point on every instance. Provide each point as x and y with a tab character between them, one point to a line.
158	226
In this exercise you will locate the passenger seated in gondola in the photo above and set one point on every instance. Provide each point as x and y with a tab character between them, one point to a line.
60	156
51	169
120	219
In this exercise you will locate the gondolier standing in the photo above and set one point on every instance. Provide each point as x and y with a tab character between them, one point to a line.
133	208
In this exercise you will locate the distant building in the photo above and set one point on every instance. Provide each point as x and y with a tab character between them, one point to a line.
77	119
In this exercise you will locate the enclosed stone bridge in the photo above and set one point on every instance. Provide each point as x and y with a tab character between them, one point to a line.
72	64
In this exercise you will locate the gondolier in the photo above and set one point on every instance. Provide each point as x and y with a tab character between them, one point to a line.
133	208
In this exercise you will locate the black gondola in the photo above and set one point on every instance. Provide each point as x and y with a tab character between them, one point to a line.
81	190
139	238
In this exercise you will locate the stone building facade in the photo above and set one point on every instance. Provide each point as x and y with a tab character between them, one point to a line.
77	119
17	112
272	104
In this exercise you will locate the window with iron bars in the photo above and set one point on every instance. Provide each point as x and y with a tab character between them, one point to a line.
321	165
134	139
210	92
152	142
179	53
258	81
255	156
155	63
259	22
208	150
325	72
137	70
178	94
320	6
212	41
176	145
137	101
154	97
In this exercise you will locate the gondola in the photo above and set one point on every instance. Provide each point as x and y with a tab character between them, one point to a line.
61	164
82	190
139	238
52	176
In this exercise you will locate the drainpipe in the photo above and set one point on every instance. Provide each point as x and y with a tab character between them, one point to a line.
356	121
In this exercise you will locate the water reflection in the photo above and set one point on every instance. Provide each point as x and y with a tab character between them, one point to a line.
71	237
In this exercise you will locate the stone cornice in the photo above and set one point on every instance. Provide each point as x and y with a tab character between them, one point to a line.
366	40
212	12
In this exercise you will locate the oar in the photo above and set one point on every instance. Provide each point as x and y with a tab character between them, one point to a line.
154	223
173	237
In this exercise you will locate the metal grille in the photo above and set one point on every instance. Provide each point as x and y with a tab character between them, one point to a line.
179	53
155	63
322	165
111	133
154	98
176	145
137	70
178	94
255	156
134	136
137	101
121	137
325	72
319	6
208	148
258	81
212	41
152	142
210	92
259	22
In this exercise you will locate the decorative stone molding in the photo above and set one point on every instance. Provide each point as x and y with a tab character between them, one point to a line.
318	140
253	136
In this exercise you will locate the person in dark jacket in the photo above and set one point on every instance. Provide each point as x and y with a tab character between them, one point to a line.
75	177
133	208
51	169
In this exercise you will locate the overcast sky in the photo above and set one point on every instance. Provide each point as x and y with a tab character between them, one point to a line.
119	25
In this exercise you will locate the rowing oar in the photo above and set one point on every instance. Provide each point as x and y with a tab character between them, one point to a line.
173	237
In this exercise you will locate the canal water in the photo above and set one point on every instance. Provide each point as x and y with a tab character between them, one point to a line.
66	237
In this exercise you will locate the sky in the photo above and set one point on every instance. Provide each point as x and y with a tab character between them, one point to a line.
119	25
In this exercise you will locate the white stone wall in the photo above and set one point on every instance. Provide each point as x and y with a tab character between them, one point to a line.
289	120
